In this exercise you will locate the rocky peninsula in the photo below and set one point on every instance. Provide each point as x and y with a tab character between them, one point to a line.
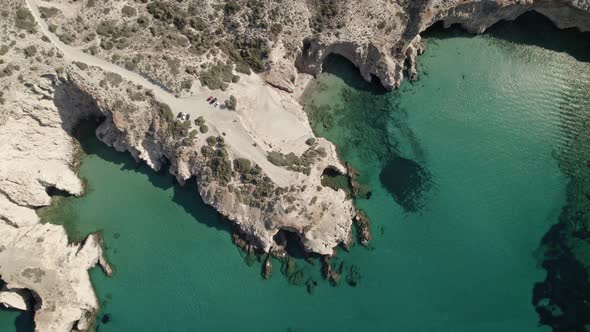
134	65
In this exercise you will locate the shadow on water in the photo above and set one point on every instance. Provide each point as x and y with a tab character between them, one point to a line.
561	300
24	322
339	66
406	180
186	196
531	28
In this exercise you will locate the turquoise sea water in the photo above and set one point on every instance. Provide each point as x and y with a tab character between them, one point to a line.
464	184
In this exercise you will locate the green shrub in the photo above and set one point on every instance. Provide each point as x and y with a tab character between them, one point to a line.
203	129
221	166
128	11
89	37
247	52
243	68
24	20
114	79
191	137
165	112
276	29
242	165
47	12
199	121
216	76
325	17
106	28
207	151
231	8
276	158
81	65
179	129
168	13
211	141
67	38
231	103
293	162
30	51
143	21
106	44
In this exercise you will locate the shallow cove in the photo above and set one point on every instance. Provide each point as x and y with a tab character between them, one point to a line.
482	124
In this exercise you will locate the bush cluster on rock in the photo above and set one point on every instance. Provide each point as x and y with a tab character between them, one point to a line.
24	20
114	35
199	121
256	188
325	17
47	12
81	65
217	76
295	163
231	103
30	51
128	11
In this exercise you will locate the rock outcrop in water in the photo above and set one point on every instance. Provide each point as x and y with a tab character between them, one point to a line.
253	165
40	259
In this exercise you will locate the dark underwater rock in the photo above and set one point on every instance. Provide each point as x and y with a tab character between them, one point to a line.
407	181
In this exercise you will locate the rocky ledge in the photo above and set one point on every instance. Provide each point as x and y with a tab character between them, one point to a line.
38	260
382	38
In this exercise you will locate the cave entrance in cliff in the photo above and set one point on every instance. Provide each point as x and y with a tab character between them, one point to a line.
343	68
56	192
538	31
335	180
291	241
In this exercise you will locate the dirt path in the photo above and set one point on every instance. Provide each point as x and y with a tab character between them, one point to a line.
244	135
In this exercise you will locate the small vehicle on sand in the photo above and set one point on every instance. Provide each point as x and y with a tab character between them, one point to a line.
180	116
213	101
210	97
187	117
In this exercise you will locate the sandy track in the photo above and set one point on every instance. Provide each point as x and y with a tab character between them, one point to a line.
266	122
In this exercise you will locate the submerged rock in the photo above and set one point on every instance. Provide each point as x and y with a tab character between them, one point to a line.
407	181
267	268
297	278
332	276
353	276
310	285
363	227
